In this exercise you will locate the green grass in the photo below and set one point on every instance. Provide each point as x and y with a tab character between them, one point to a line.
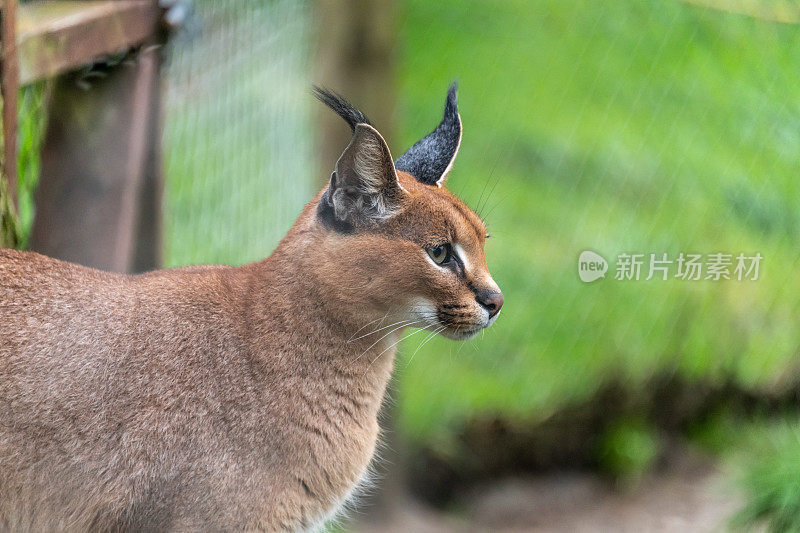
638	126
15	224
763	457
628	449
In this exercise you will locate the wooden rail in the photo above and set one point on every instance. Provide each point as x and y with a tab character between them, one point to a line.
98	201
9	85
54	37
46	38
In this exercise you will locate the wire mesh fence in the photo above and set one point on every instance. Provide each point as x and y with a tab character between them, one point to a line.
237	130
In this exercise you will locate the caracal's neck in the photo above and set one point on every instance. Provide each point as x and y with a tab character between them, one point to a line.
299	297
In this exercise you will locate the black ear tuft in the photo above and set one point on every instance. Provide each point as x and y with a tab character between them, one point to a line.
341	106
432	157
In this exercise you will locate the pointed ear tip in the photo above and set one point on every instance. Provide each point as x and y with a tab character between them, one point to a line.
452	94
364	127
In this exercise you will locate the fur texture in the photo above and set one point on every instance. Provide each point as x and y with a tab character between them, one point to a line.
226	398
432	157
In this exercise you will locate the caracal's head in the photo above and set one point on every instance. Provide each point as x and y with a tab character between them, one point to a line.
410	248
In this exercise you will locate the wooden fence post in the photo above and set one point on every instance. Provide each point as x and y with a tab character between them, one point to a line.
9	87
356	41
98	169
356	57
148	252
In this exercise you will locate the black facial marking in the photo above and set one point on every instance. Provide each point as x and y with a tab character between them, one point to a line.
455	321
459	266
327	217
471	286
428	159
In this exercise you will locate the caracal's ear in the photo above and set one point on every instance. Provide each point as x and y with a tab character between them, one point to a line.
364	184
432	157
364	187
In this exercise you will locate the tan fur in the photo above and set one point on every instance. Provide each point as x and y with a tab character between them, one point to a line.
215	398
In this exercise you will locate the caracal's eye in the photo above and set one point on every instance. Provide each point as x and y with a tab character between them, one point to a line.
440	254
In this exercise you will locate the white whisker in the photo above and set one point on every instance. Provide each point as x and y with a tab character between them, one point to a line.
460	347
386	335
367	324
379	329
393	345
424	342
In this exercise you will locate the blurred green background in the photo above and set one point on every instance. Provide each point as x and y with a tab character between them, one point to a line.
636	126
619	127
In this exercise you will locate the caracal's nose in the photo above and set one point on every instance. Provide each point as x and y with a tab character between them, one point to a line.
492	301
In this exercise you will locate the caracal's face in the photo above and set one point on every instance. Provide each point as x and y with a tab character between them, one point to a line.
410	248
440	274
